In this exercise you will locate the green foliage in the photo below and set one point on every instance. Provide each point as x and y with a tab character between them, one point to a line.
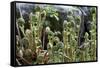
30	45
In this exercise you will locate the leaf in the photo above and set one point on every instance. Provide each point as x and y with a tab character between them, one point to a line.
56	17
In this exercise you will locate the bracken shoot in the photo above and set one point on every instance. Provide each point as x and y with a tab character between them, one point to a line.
55	34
